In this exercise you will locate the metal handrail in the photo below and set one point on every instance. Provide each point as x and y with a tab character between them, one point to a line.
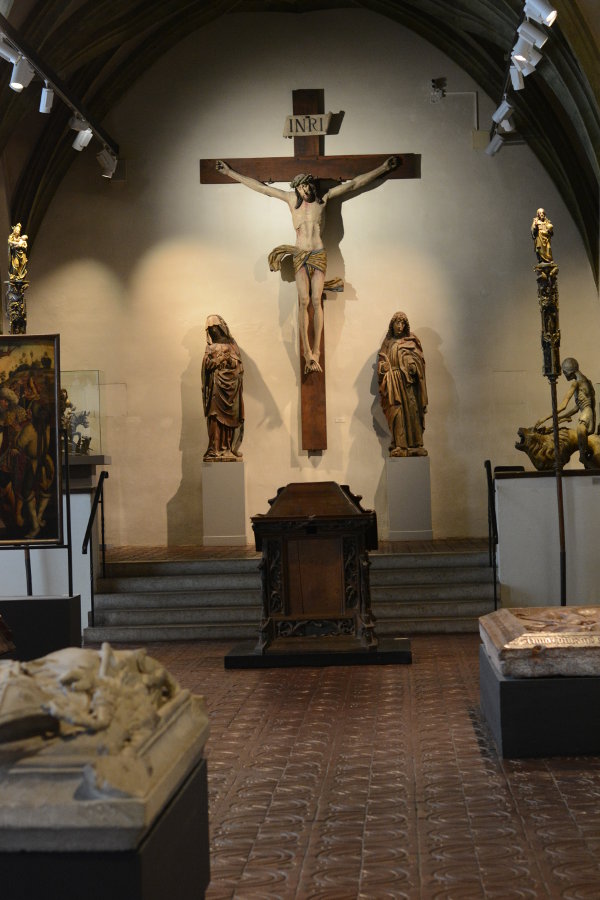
98	501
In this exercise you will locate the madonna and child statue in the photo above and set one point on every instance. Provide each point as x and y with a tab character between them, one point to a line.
222	392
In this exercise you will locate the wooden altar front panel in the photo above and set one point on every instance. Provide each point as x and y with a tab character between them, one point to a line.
315	576
315	566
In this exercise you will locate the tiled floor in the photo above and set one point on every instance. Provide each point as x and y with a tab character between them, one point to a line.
382	782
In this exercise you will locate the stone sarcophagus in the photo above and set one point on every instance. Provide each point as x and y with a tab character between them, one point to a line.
315	541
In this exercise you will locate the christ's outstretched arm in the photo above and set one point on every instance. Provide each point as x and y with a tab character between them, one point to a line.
252	183
354	184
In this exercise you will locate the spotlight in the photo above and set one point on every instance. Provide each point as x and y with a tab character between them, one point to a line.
525	57
22	74
7	52
107	162
540	11
494	145
46	99
532	34
516	77
503	112
523	52
77	123
82	139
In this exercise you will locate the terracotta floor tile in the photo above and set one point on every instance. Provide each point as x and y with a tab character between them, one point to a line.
367	783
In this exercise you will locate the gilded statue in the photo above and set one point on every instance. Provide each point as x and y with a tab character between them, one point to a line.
402	387
541	232
222	392
308	254
17	255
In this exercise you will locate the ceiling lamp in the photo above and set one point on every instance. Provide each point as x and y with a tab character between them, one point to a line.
77	123
46	99
532	34
82	139
7	52
504	111
22	74
540	11
494	145
107	162
525	57
516	79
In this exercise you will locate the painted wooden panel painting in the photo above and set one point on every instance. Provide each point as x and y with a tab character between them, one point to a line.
30	455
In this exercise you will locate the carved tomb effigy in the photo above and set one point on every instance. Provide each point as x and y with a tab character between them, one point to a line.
315	567
102	779
540	679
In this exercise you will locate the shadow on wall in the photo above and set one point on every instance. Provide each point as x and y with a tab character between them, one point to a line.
184	509
255	387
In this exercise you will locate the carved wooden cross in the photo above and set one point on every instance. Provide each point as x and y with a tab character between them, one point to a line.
309	157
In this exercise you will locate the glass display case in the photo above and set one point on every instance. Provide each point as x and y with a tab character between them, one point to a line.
83	410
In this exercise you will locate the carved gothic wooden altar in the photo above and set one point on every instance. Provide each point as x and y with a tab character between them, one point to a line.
315	568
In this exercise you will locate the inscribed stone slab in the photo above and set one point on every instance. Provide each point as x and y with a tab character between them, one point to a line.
535	642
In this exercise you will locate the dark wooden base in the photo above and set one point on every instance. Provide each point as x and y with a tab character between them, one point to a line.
540	716
317	652
40	625
171	861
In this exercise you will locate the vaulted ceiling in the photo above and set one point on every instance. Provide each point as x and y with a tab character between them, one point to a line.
98	48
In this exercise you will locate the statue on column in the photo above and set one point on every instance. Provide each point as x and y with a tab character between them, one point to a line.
402	387
17	283
308	254
222	392
541	232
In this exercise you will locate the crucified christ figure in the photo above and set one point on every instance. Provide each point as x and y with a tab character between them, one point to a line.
309	256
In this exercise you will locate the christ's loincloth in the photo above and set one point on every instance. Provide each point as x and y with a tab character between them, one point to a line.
311	260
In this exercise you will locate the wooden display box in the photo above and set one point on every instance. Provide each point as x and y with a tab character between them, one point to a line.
315	568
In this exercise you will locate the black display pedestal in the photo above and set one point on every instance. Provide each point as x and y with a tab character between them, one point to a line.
317	652
171	862
40	625
554	716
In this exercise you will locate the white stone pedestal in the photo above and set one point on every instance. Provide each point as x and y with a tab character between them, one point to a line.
224	504
409	498
528	538
49	566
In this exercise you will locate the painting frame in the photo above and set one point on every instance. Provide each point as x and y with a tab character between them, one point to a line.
31	507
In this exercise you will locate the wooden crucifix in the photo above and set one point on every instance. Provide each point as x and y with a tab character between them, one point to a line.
302	170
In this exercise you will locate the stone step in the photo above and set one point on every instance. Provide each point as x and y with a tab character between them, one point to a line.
142	634
170	615
402	593
200	582
429	560
385	614
453	625
220	599
399	612
426	575
177	599
150	568
221	581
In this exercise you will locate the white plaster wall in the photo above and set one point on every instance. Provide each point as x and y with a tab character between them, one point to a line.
128	272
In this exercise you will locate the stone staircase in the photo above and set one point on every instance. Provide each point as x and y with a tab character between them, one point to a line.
220	599
422	593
